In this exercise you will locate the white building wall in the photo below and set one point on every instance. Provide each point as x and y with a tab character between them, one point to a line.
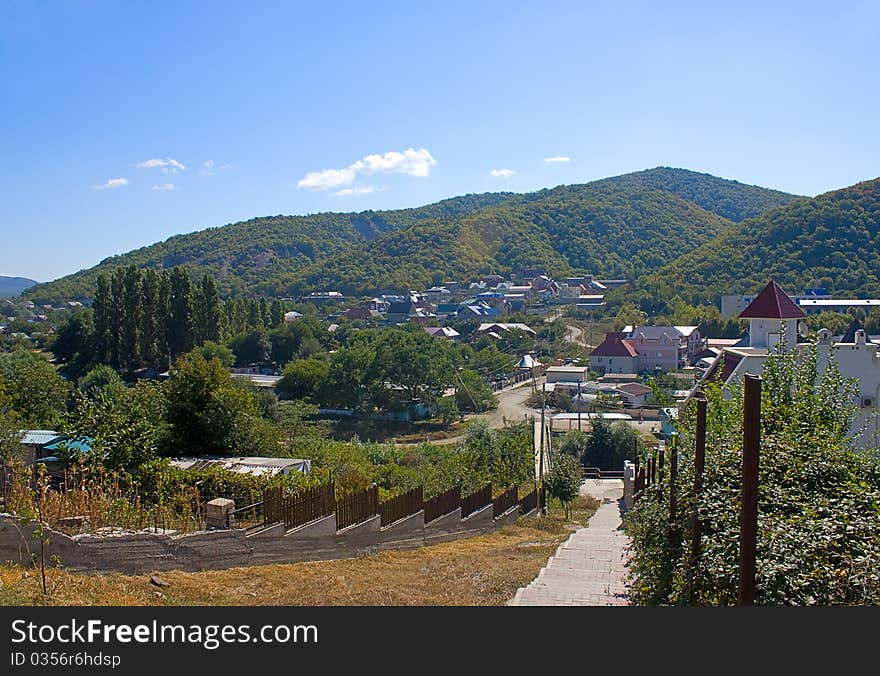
861	361
765	333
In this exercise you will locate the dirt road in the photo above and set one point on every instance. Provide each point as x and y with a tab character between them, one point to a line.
511	408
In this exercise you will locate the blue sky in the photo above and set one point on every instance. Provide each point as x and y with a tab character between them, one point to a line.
122	124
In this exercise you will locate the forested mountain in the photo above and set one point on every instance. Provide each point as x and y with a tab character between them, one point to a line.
731	199
244	257
621	226
12	286
832	241
611	230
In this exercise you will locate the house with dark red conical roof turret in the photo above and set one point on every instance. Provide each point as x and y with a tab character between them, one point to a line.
773	317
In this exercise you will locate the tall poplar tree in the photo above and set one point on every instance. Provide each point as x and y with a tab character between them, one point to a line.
117	316
180	320
132	316
102	310
149	346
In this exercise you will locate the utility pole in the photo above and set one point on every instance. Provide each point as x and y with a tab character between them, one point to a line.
541	451
579	405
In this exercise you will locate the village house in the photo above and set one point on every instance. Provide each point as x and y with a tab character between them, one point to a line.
498	328
566	379
438	294
774	317
354	313
479	310
321	297
615	354
399	311
647	349
442	332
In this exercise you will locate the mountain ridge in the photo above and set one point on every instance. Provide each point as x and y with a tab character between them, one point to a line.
13	286
275	254
831	241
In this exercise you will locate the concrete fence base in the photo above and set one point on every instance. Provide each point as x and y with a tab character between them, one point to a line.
143	552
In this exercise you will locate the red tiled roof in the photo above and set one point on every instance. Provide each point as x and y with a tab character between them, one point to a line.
614	345
772	303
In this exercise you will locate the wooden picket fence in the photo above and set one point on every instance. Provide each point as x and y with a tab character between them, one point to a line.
401	506
526	505
507	500
442	503
476	500
357	507
310	504
299	508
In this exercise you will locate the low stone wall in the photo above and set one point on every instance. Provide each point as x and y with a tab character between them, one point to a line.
143	552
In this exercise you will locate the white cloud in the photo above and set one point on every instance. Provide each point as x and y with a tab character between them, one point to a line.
326	179
112	183
210	167
502	173
360	190
165	186
557	158
411	161
167	164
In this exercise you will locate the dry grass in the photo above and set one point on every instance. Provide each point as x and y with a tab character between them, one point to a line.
485	570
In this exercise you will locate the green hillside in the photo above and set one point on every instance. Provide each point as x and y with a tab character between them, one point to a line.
602	228
621	226
731	199
832	241
245	257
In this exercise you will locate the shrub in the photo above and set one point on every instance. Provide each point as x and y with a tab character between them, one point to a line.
819	501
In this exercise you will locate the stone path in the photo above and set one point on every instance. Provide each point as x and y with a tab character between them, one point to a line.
589	568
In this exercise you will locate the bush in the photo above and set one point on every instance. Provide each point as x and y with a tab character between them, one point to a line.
819	501
447	410
609	444
563	481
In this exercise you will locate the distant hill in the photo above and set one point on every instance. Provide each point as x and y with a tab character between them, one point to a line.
615	231
13	286
730	199
244	257
831	241
626	225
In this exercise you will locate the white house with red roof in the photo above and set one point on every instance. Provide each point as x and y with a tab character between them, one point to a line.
615	354
772	314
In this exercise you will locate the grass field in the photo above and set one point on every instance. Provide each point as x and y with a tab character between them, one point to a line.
485	570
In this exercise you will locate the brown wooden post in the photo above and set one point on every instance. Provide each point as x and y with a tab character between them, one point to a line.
659	477
673	475
748	533
699	467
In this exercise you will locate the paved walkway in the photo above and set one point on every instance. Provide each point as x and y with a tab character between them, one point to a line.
589	568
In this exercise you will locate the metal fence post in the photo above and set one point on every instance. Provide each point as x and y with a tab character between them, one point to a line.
748	534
